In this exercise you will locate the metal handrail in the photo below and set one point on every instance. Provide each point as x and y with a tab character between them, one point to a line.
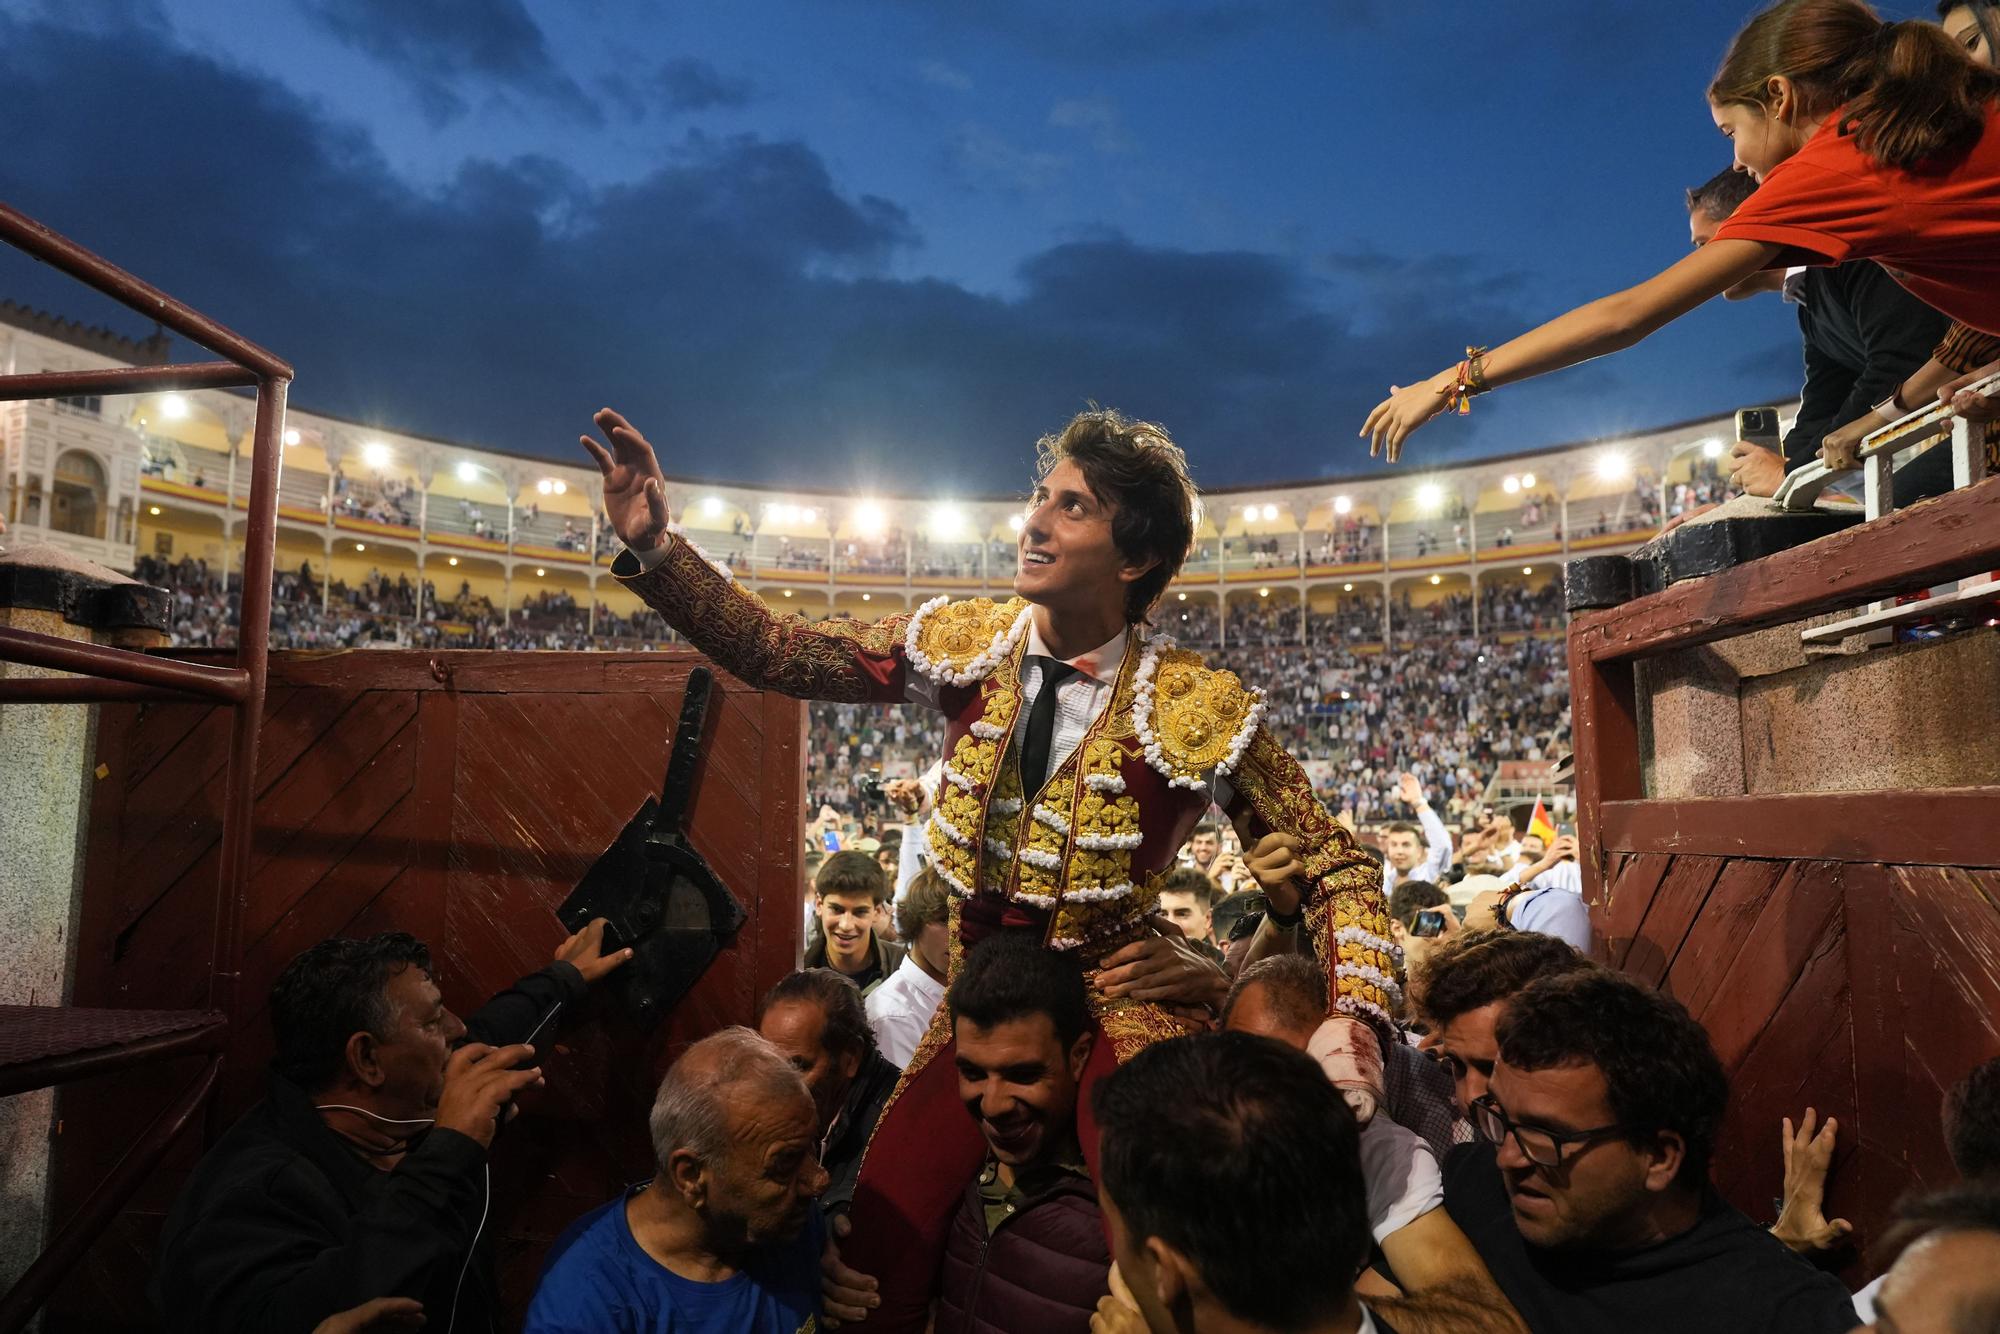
106	672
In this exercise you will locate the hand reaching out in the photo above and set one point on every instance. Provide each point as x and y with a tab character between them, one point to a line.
1410	790
1802	1223
585	950
635	490
1406	408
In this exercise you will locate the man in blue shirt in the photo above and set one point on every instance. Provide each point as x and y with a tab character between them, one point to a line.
726	1239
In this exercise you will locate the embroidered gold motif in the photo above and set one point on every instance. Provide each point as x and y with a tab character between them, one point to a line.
957	636
789	654
1344	909
1198	713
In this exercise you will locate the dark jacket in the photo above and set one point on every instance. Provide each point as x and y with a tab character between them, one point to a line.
888	957
872	1085
282	1224
1864	334
1041	1271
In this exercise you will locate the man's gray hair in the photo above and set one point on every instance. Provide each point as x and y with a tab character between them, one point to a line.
689	1112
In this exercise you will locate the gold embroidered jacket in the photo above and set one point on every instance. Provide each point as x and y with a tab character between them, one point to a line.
1083	856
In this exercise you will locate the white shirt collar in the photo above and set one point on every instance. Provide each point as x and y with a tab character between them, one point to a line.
1101	664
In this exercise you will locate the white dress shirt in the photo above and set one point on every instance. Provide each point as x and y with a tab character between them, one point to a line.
1437	854
901	1009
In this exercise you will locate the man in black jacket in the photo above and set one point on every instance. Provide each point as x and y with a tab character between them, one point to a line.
363	1173
816	1018
1863	333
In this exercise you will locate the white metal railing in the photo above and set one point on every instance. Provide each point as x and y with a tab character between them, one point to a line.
1938	426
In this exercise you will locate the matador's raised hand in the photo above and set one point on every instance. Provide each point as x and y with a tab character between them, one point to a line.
635	490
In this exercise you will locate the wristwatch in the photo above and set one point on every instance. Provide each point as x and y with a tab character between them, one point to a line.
1891	408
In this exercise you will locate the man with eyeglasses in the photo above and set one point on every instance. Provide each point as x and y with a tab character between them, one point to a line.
1586	1191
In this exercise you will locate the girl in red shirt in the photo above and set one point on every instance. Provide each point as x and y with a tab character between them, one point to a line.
1869	140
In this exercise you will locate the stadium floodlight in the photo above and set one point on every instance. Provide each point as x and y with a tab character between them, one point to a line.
1263	592
1342	504
1347	588
869	520
174	407
1345	694
808	515
375	454
1612	466
540	572
1183	596
1019	521
1711	448
154	510
947	520
467	471
1430	495
452	561
1270	513
361	546
711	507
1249	514
291	437
1437	578
867	597
1527	569
1512	486
1527	480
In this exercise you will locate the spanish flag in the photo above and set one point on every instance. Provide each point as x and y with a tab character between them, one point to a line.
1538	824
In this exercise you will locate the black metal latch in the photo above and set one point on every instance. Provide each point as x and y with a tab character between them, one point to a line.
654	890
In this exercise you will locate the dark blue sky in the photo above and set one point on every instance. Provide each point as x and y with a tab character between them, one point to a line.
887	242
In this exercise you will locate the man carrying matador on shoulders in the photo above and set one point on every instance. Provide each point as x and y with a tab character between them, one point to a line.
1079	754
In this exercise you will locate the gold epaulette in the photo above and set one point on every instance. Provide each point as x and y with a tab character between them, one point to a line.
959	643
1192	718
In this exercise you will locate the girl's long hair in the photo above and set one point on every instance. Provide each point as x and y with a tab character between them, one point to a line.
1910	95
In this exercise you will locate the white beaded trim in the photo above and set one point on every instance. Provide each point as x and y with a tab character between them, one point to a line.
1356	935
1005	805
1098	895
1367	973
1142	716
1052	819
999	849
1065	943
975	670
1243	734
986	731
1046	861
719	567
958	887
1353	1005
1110	783
949	830
1036	900
1108	842
957	779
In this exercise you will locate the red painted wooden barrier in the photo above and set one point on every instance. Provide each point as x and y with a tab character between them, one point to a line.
458	796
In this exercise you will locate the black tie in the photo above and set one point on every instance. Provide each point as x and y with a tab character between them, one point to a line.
1042	725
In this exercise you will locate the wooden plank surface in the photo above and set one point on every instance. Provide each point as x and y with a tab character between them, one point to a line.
463	810
1928	543
1938	826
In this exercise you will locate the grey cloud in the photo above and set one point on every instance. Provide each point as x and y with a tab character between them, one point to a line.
734	299
449	49
691	84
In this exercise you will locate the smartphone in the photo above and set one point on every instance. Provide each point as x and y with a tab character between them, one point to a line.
830	840
1759	426
1430	922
